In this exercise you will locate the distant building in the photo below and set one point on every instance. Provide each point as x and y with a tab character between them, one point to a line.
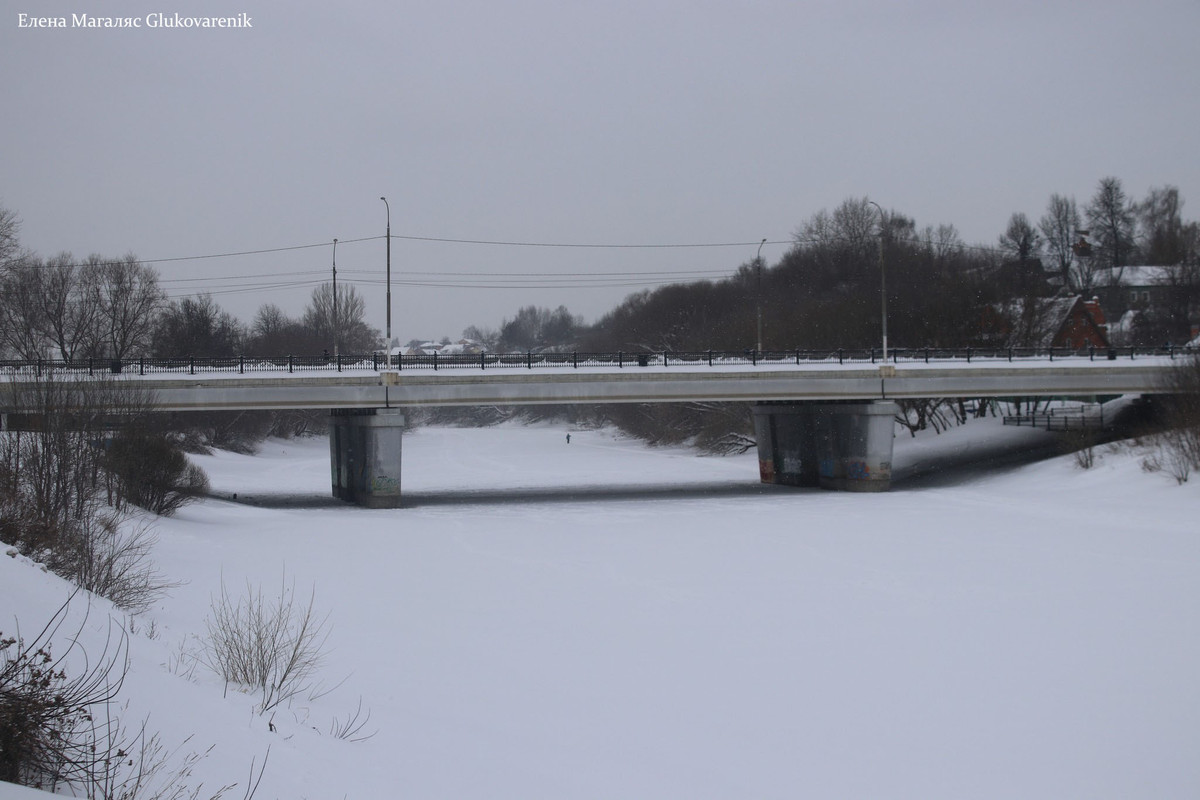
1151	305
1123	288
461	347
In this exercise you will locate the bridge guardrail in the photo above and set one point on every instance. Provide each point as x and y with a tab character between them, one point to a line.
377	362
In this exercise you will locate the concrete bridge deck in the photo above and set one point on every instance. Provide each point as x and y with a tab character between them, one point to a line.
651	384
808	435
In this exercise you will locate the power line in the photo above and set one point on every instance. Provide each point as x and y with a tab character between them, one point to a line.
560	274
239	277
512	243
247	289
582	245
451	240
577	285
234	284
251	252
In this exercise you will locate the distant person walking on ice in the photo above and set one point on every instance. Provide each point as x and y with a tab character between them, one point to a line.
568	438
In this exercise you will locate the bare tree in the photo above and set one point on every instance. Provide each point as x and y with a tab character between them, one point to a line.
70	306
273	332
1161	226
10	229
129	300
269	321
1060	227
22	330
197	326
535	328
941	241
1021	241
351	334
1110	217
855	223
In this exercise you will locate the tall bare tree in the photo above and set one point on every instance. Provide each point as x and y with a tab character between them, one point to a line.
941	241
20	287
70	306
1060	228
1021	241
22	331
129	301
346	326
10	230
1161	226
1110	217
197	326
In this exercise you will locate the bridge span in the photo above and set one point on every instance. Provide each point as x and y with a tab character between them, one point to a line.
652	384
822	422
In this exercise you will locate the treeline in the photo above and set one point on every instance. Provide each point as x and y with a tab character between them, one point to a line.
115	309
827	292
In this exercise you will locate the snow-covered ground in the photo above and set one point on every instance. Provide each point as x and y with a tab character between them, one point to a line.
601	619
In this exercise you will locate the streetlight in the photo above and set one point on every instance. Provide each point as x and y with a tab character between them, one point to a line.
389	280
335	307
758	291
882	280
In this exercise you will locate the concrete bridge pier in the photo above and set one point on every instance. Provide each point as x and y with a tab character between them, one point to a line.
845	446
364	455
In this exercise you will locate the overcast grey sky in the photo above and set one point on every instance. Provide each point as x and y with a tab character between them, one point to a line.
622	122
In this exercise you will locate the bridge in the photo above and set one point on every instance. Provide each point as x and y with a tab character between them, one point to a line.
822	418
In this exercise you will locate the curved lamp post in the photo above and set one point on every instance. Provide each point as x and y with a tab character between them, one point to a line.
882	280
388	343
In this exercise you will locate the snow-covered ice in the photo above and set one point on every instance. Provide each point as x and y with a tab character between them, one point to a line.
601	619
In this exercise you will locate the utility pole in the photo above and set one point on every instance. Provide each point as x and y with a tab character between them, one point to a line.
388	343
882	279
758	292
335	303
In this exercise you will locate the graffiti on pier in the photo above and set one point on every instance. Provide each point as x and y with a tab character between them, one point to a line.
385	484
858	471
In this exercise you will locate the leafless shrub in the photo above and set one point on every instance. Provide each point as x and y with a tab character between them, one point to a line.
1085	457
183	661
152	472
1180	441
64	732
59	499
109	555
49	735
1180	455
1081	444
351	729
274	645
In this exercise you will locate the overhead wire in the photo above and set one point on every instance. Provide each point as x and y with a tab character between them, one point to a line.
234	284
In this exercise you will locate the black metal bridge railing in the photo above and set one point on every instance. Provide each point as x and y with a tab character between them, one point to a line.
378	362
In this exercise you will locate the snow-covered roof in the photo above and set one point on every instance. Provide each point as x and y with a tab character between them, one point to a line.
1037	325
1135	276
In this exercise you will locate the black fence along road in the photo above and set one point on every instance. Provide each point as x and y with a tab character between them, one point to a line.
381	362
